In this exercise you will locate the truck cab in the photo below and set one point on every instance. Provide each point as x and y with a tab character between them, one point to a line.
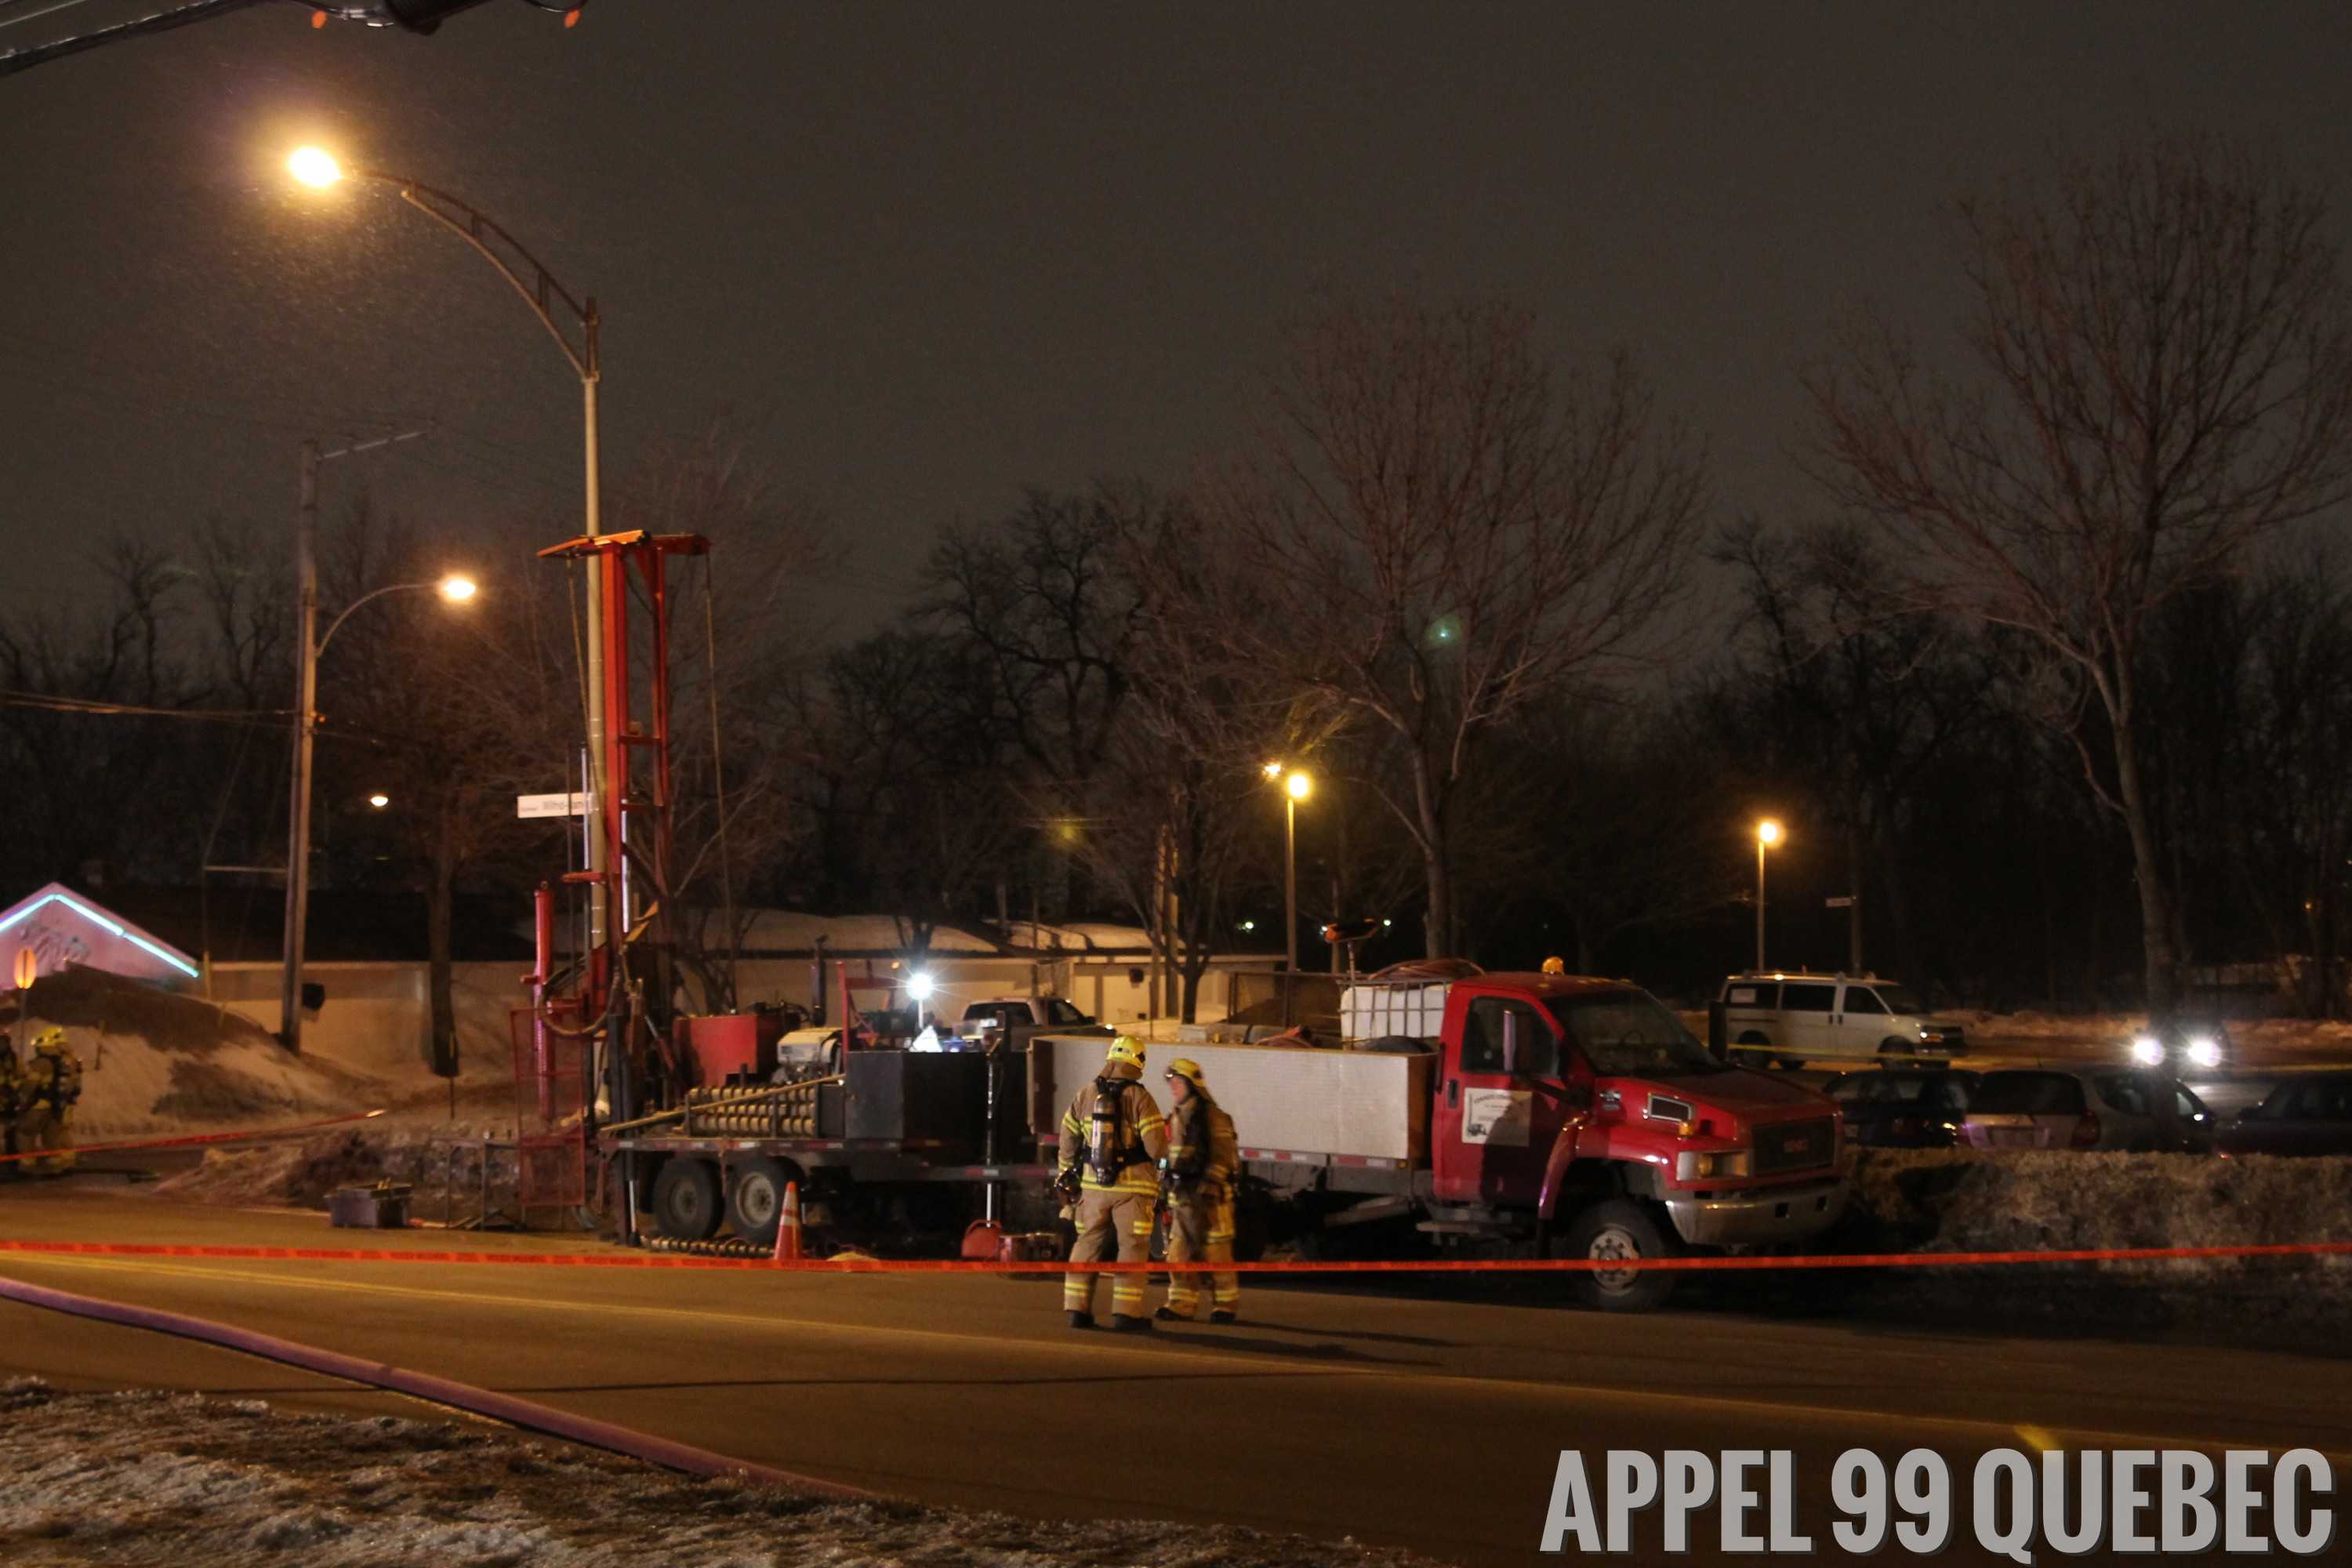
1584	1108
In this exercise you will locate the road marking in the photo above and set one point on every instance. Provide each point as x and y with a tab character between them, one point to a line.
1996	1433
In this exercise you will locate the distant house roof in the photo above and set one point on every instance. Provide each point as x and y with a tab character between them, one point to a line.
62	929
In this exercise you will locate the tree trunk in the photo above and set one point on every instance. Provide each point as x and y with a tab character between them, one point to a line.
437	937
2156	918
1435	866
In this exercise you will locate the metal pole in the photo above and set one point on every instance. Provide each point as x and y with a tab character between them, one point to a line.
1290	879
597	861
306	701
1760	902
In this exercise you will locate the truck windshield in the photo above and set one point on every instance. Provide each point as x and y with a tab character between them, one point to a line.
1625	1032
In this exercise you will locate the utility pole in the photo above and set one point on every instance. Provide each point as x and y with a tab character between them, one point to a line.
306	701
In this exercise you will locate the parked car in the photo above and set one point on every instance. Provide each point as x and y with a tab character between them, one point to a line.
1791	1019
1902	1108
2309	1114
2184	1045
2096	1108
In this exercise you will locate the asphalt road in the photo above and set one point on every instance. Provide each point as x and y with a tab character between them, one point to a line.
1409	1415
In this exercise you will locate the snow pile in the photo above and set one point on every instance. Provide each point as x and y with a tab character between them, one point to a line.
154	1061
302	1175
167	1480
1958	1200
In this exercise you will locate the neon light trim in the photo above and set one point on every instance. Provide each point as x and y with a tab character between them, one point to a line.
86	912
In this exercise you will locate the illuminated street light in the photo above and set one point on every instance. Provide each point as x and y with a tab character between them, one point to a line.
308	650
919	986
1294	788
314	166
1767	835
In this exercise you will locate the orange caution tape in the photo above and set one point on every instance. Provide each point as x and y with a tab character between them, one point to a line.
633	1260
189	1139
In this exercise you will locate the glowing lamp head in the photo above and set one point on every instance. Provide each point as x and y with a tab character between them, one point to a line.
379	800
2148	1050
1273	769
1299	787
919	986
2205	1051
314	166
458	588
1768	833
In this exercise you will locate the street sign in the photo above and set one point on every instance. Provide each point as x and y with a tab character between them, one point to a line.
1842	902
528	807
28	968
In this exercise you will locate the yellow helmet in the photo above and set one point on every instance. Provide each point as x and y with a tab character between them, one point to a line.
1554	966
1188	1071
49	1040
1126	1048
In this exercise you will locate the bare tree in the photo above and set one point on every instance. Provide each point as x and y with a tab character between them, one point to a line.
2162	373
1437	532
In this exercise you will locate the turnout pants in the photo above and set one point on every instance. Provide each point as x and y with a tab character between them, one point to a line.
1200	1230
1109	1220
45	1129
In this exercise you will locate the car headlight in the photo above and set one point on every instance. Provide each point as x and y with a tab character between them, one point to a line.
2148	1050
1693	1167
2205	1051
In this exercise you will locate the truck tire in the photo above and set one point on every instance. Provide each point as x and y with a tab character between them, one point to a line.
1753	1050
1892	1047
686	1199
755	1197
1620	1227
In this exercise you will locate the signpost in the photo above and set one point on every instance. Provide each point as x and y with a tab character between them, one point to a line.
529	808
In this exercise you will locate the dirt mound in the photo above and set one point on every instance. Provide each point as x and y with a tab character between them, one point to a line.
156	1062
1958	1200
110	1004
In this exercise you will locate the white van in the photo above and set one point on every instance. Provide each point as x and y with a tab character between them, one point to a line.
1790	1018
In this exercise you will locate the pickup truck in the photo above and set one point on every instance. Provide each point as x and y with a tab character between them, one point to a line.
1542	1115
1022	1018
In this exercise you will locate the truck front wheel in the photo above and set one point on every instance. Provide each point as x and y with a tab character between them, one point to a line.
1618	1229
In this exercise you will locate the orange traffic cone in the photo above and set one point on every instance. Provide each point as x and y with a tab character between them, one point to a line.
788	1225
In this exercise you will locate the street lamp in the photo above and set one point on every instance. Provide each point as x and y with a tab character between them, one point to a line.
1294	788
316	167
1767	835
453	588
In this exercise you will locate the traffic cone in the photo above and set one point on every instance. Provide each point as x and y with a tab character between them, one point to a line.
788	1225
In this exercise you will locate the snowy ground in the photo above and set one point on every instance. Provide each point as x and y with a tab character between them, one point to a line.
145	1477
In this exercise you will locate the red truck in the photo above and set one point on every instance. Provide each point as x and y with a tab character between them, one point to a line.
1526	1114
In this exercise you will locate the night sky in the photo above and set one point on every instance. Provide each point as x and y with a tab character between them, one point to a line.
916	256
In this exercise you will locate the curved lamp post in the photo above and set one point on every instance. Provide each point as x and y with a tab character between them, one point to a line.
456	590
554	305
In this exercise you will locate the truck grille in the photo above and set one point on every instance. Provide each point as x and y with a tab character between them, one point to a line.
1794	1145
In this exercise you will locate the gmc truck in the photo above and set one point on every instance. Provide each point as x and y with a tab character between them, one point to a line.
1543	1115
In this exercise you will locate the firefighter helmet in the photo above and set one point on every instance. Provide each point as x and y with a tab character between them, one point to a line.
1188	1071
1127	1050
1554	966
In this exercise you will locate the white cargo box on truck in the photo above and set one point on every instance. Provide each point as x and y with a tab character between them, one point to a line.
1411	1010
1284	1099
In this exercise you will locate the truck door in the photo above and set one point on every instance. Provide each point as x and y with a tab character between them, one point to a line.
1493	1128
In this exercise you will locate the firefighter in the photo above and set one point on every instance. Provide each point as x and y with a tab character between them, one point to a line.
52	1083
1112	1138
1203	1161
